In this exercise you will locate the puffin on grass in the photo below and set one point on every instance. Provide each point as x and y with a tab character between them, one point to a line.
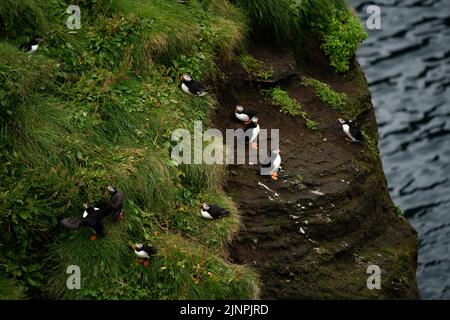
92	217
352	130
251	132
144	252
192	87
208	211
244	116
115	205
271	165
32	45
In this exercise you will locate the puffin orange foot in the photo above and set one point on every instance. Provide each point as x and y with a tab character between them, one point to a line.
145	263
254	145
274	176
93	237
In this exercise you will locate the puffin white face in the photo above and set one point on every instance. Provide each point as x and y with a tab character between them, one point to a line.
205	207
254	120
186	77
276	151
341	121
111	189
39	39
139	246
239	109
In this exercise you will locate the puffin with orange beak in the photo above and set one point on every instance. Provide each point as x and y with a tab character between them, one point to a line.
210	211
242	115
192	87
271	165
251	132
143	252
351	130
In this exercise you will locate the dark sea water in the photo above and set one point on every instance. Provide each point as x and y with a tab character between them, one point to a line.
407	64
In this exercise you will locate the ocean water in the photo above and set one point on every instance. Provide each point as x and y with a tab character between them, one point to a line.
407	64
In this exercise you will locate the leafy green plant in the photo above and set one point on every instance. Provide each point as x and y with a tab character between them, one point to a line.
398	211
255	68
280	98
341	40
325	93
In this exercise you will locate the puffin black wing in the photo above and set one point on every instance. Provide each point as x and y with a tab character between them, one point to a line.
150	250
195	87
115	205
217	212
267	162
251	114
71	223
26	46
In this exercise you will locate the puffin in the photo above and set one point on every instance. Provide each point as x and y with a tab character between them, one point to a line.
352	130
33	45
115	205
252	132
92	217
212	212
271	165
144	252
192	87
244	116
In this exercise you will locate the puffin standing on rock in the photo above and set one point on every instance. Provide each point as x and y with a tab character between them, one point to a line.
212	212
251	132
244	116
33	45
352	130
192	87
271	165
144	252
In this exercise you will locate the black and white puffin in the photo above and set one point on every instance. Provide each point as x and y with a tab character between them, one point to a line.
208	211
352	130
251	132
115	205
271	165
33	45
244	116
192	87
144	252
92	217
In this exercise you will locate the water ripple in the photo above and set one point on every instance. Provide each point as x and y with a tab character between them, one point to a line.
407	65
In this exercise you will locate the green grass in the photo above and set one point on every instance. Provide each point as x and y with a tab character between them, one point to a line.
280	98
98	107
255	68
289	22
335	100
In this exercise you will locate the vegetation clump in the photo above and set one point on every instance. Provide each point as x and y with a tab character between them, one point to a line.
341	40
280	98
255	68
334	99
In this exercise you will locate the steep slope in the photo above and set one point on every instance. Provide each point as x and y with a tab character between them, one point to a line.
333	191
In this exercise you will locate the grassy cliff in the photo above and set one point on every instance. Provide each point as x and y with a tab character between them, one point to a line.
97	106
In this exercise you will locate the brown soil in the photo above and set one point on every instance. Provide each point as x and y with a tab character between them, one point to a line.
333	190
